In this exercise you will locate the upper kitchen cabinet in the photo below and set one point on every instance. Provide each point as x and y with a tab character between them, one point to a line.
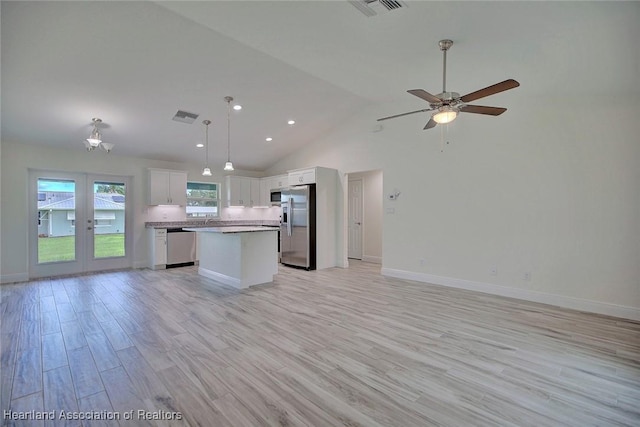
302	176
269	184
242	191
167	187
279	182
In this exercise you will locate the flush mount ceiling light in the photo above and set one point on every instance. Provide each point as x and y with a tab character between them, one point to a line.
200	145
95	139
206	171
228	166
291	122
269	139
237	107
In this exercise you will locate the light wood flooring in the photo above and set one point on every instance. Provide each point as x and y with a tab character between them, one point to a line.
322	348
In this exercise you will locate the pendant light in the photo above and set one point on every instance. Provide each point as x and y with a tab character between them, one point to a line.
206	171
228	166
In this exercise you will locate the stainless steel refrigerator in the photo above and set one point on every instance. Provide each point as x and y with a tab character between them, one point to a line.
298	228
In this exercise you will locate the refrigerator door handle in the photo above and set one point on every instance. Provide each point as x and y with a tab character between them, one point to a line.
290	215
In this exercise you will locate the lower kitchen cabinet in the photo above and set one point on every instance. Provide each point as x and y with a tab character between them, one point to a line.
157	248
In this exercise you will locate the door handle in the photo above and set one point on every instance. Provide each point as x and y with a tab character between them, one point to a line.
358	223
89	228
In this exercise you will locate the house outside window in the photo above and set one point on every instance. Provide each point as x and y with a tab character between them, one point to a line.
203	200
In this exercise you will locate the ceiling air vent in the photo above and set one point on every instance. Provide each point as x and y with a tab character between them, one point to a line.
185	117
373	7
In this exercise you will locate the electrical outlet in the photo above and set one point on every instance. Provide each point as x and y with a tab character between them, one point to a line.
423	261
526	276
493	270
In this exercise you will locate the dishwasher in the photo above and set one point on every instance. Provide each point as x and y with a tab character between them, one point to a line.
181	247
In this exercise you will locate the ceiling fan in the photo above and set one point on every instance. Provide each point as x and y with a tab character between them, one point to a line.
447	105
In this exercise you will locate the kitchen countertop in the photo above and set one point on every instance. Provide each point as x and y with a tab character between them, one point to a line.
211	223
232	229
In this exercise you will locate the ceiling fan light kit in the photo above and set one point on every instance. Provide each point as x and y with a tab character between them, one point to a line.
447	105
445	115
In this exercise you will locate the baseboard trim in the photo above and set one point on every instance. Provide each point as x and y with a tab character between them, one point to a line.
372	259
222	278
14	278
605	308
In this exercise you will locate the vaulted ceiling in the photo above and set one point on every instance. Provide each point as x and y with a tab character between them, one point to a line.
134	64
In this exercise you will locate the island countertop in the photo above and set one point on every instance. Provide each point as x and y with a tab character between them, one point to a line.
232	229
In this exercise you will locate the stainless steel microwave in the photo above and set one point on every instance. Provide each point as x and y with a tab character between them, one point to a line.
276	197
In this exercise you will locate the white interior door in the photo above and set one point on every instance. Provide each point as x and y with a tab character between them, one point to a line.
355	219
63	210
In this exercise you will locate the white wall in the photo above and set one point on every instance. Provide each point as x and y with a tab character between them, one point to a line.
541	189
16	161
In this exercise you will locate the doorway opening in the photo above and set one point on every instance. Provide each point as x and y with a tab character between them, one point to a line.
364	216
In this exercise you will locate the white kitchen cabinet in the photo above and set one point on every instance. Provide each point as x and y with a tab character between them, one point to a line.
157	248
279	182
167	187
327	220
265	191
242	191
270	183
302	176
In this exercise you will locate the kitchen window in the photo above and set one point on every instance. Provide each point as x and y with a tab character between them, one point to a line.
203	200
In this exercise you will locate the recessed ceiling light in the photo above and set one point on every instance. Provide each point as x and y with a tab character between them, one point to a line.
269	139
237	107
199	145
291	122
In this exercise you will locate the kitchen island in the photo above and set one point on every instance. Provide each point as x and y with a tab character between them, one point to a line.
239	256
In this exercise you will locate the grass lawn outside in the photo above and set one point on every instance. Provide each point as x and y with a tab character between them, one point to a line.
52	249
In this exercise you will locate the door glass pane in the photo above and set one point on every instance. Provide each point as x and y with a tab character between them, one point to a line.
108	219
56	220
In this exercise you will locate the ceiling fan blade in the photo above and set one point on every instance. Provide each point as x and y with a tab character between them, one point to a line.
404	114
490	90
423	94
431	123
480	109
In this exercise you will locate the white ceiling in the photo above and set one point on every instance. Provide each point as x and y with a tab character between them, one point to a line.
134	64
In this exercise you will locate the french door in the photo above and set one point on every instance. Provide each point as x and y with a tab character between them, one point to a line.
78	223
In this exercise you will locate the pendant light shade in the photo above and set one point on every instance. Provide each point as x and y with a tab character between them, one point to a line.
228	166
206	171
